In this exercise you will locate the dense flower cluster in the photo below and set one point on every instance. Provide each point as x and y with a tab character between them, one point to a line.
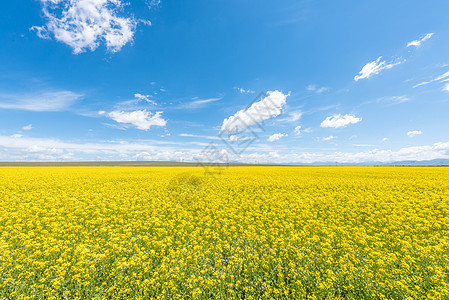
246	232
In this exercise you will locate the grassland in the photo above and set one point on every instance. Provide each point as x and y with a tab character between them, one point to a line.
247	232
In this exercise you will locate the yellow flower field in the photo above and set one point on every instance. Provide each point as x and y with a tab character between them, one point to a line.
249	232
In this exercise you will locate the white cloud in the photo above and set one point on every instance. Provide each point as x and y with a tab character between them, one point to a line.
39	101
446	87
235	138
317	89
243	91
375	67
144	98
266	108
298	130
153	3
394	99
38	149
307	130
417	43
414	133
197	103
205	101
292	116
115	126
27	127
328	138
16	136
142	119
436	151
26	148
384	139
439	78
199	136
84	24
442	78
337	121
311	87
276	137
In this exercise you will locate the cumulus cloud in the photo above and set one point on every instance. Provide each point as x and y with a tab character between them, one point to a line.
39	101
268	107
414	133
27	127
375	67
84	24
298	130
141	119
276	137
417	43
337	121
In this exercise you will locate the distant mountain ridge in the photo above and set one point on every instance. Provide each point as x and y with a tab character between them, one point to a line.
410	163
433	162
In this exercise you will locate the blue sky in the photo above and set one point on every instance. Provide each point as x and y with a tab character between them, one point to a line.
258	81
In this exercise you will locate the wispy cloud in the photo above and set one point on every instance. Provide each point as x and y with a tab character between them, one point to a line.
394	99
417	43
205	101
317	89
146	98
292	116
199	136
152	3
243	91
338	121
196	103
39	101
375	67
442	78
139	102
